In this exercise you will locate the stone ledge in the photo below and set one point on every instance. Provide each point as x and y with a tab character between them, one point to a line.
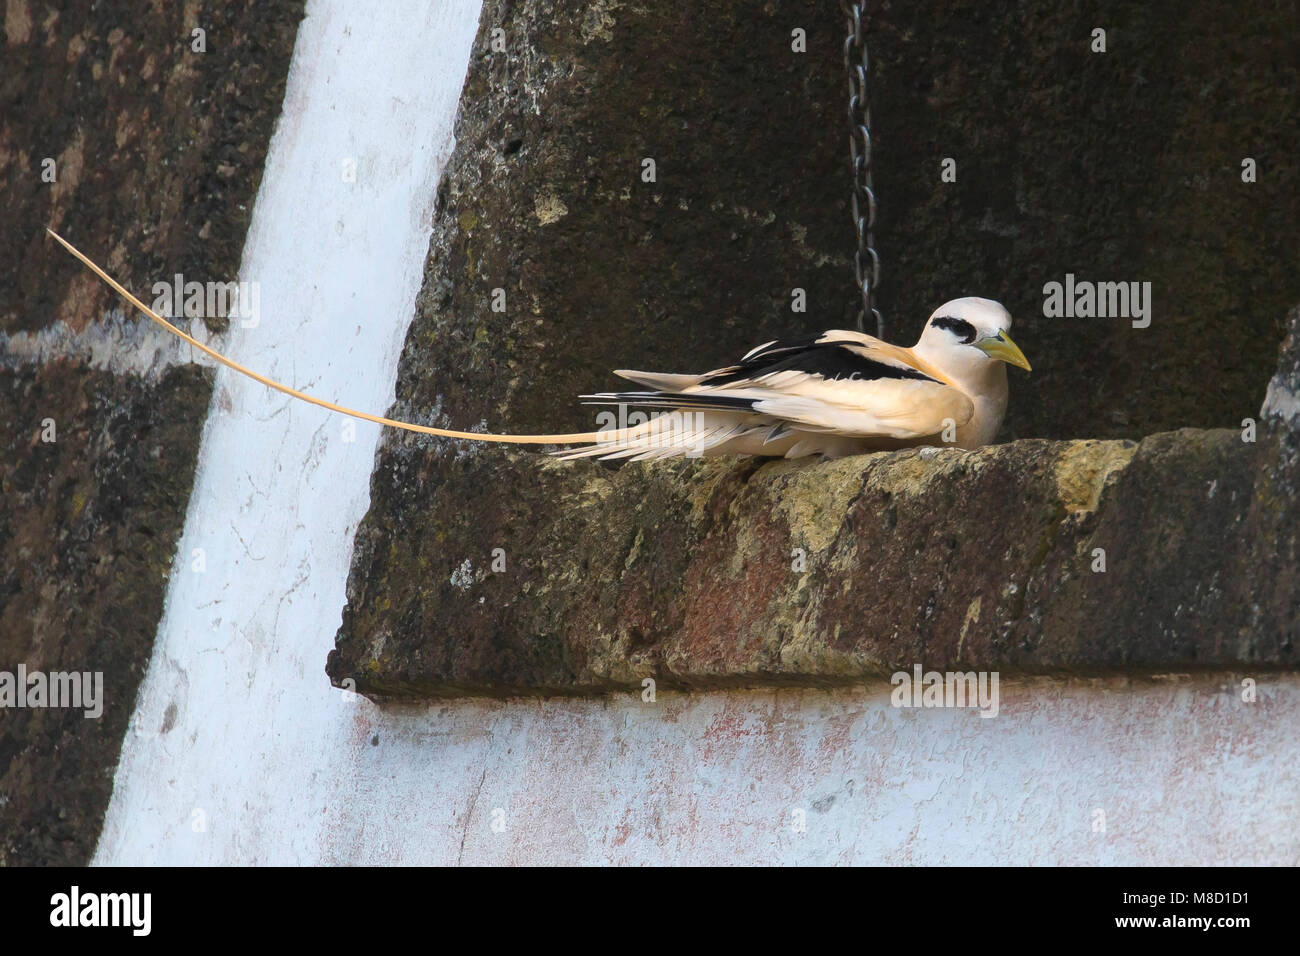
685	572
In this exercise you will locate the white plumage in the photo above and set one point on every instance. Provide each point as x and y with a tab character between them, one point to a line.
839	393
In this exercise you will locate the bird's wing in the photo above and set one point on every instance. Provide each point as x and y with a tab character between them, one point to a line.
840	382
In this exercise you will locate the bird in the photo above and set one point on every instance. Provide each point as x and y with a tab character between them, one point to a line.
831	395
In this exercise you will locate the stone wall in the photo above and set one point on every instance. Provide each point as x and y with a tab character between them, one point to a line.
158	152
1116	166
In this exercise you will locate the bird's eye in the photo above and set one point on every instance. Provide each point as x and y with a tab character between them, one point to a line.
964	331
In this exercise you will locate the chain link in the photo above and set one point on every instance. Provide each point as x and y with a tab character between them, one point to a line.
866	263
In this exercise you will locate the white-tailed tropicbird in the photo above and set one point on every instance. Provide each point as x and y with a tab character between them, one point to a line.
835	394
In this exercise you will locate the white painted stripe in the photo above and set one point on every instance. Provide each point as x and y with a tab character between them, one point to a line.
258	744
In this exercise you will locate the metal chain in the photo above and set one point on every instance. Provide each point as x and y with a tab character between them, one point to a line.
866	263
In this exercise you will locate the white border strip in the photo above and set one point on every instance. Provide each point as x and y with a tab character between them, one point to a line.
238	740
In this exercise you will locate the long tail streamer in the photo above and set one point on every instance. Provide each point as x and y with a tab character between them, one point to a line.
311	399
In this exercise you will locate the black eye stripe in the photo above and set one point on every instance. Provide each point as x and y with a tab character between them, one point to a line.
958	327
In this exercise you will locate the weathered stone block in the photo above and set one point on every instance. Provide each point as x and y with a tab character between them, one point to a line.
722	573
1115	167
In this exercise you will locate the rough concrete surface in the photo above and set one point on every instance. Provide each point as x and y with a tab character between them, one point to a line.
88	529
1174	771
158	149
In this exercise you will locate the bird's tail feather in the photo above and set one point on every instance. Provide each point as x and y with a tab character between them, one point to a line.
571	438
681	400
665	381
682	432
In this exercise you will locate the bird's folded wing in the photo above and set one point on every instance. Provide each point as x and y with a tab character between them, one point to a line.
887	407
840	381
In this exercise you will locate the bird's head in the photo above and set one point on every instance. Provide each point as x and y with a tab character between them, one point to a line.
968	337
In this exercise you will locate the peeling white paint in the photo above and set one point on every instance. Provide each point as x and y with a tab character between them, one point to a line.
1280	402
115	344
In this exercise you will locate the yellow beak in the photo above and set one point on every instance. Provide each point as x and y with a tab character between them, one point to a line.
1001	347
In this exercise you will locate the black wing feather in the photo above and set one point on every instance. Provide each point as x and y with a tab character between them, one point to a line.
830	360
671	400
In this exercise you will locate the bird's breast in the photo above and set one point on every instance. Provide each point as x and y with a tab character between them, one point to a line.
990	408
